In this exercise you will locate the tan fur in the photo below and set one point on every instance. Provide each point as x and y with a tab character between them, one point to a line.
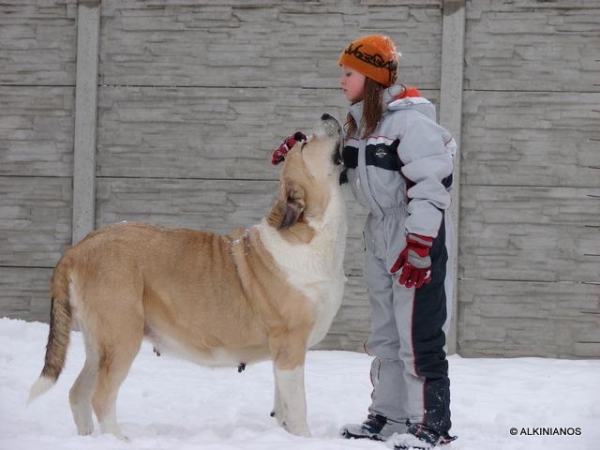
209	298
61	320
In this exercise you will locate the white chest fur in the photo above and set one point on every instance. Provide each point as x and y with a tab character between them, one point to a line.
316	269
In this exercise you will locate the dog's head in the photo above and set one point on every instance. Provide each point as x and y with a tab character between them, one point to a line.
310	173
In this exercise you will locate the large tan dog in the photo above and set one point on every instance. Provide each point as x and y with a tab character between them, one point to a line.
266	292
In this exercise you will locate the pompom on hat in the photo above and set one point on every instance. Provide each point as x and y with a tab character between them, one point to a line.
375	56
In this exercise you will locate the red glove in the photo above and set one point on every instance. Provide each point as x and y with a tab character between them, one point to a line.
286	145
414	261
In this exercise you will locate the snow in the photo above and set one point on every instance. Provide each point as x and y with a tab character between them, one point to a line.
172	404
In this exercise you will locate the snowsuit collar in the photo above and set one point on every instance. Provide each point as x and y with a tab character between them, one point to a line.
390	99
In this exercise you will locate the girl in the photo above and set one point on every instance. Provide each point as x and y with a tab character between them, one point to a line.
399	164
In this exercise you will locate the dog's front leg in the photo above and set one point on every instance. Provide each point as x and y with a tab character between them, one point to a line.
291	400
288	350
277	404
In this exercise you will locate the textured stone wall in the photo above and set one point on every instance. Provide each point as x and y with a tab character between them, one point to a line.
37	76
529	263
194	96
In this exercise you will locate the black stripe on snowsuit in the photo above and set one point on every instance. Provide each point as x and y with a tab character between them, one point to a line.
383	156
380	155
429	339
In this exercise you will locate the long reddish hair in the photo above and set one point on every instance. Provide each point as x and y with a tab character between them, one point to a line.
372	110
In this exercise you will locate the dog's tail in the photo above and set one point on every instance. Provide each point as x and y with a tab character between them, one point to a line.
61	318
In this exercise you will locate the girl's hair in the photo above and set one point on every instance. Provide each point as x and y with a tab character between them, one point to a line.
372	110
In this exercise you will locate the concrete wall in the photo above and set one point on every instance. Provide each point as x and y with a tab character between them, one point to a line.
193	97
530	180
37	104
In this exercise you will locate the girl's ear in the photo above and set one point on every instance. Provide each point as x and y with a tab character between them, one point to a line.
289	206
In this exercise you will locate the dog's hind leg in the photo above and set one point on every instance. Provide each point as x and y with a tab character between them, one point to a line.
115	361
80	395
114	367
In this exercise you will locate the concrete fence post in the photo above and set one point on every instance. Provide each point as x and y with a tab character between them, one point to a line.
453	46
86	103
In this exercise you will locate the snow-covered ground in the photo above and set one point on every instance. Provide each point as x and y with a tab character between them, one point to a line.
174	405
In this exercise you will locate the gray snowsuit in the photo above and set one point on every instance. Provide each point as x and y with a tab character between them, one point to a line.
403	175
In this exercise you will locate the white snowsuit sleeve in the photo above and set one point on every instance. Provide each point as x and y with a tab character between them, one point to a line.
426	151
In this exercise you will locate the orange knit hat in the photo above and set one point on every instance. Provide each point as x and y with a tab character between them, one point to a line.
374	56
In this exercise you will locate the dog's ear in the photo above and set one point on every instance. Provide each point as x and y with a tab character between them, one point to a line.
294	206
289	207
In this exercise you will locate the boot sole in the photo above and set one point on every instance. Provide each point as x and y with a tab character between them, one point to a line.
347	435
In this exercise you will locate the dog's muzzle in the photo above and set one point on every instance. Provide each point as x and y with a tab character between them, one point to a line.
332	128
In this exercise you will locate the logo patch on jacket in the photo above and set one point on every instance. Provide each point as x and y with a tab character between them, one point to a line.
383	153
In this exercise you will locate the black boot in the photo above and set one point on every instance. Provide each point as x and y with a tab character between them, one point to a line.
420	437
369	429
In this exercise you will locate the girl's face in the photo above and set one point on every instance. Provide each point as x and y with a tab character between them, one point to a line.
352	84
